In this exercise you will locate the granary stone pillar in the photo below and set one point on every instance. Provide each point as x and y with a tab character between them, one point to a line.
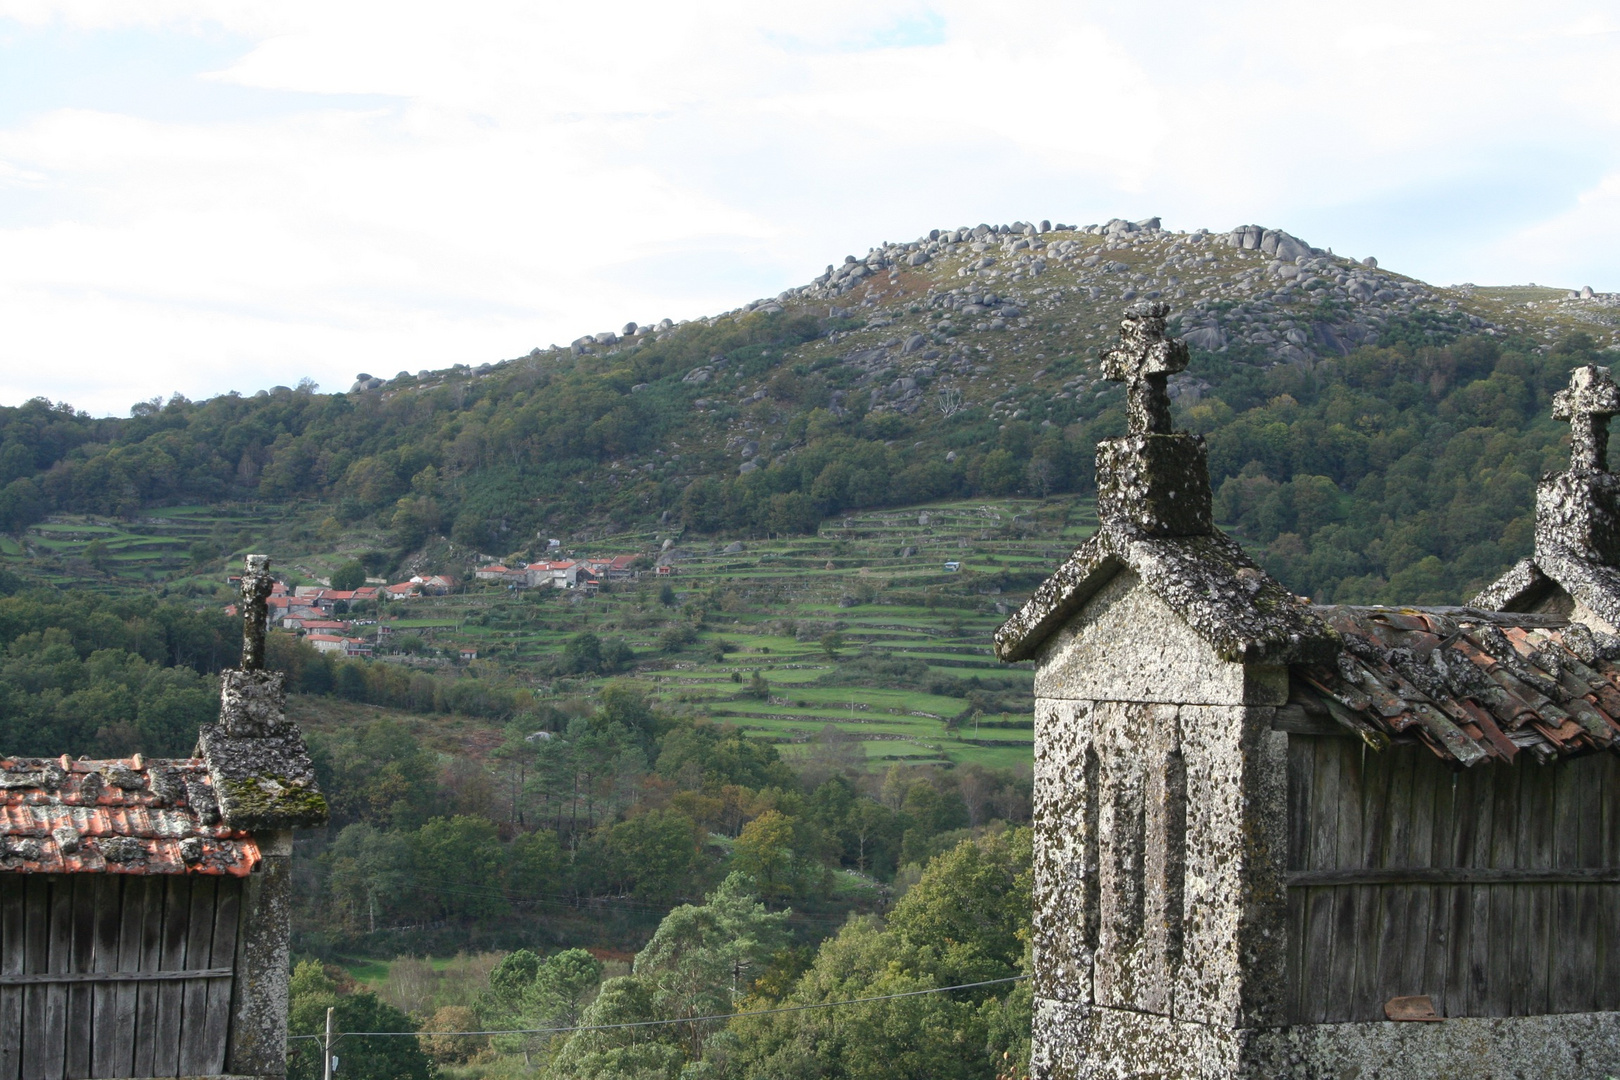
264	781
1575	569
1161	652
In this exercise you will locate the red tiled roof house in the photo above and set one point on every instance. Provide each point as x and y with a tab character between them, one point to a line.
144	903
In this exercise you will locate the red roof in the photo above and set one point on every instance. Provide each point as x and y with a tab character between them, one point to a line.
122	816
1470	685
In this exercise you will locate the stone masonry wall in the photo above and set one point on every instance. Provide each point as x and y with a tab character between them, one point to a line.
1159	811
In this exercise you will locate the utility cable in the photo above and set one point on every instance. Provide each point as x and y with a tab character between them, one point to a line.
684	1020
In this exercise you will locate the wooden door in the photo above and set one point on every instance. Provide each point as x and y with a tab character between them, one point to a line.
115	975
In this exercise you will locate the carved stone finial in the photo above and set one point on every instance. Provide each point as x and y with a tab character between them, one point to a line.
256	585
1144	362
1590	400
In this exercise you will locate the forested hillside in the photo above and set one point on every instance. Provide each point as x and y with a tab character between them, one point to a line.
1397	470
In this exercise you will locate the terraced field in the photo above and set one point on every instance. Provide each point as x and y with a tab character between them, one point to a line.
864	638
872	636
162	545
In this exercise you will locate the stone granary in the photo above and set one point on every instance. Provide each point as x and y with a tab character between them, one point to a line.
1274	840
144	902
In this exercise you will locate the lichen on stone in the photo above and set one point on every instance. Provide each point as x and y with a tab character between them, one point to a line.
1244	613
265	782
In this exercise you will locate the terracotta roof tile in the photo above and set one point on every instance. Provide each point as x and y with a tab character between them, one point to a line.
121	816
1471	685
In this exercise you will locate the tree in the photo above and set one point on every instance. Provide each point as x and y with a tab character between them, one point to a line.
764	851
831	642
582	655
563	986
666	595
458	867
526	992
651	856
349	577
622	1052
703	958
969	913
311	993
758	688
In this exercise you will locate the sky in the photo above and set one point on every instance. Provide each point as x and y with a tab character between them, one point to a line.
198	197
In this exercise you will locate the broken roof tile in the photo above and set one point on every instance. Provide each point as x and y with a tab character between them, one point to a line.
1470	685
124	816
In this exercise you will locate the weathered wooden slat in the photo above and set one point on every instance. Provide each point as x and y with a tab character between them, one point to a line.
1338	990
1532	913
165	1034
80	997
217	1023
1567	989
1496	992
1368	1002
195	1053
1301	762
1390	935
1458	901
12	944
1412	970
107	912
53	1032
1453	875
132	918
1314	923
1607	946
1440	928
110	978
150	954
36	958
1478	920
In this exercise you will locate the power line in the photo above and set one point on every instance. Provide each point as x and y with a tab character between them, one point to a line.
684	1020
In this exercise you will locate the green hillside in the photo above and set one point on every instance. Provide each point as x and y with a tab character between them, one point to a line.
1360	422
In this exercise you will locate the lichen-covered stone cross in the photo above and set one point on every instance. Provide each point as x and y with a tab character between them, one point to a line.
1144	361
256	586
1590	400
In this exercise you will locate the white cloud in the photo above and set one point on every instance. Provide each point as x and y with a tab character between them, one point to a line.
443	184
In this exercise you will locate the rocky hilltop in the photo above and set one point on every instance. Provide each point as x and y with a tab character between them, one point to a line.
959	304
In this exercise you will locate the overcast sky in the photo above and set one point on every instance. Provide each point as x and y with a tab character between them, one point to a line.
197	197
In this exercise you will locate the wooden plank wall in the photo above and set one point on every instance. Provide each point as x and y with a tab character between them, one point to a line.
1494	890
110	933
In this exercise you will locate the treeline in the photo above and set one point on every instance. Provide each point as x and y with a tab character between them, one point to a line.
621	802
483	459
395	686
720	992
87	674
1401	475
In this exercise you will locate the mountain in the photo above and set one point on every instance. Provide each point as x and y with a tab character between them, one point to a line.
1370	434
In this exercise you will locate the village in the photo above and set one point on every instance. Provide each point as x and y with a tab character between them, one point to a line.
315	612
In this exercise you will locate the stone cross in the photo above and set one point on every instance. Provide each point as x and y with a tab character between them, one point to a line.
256	584
1590	400
1144	362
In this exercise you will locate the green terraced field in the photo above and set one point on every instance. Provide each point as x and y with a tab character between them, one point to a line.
876	579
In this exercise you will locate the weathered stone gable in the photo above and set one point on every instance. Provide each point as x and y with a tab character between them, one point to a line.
1128	644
